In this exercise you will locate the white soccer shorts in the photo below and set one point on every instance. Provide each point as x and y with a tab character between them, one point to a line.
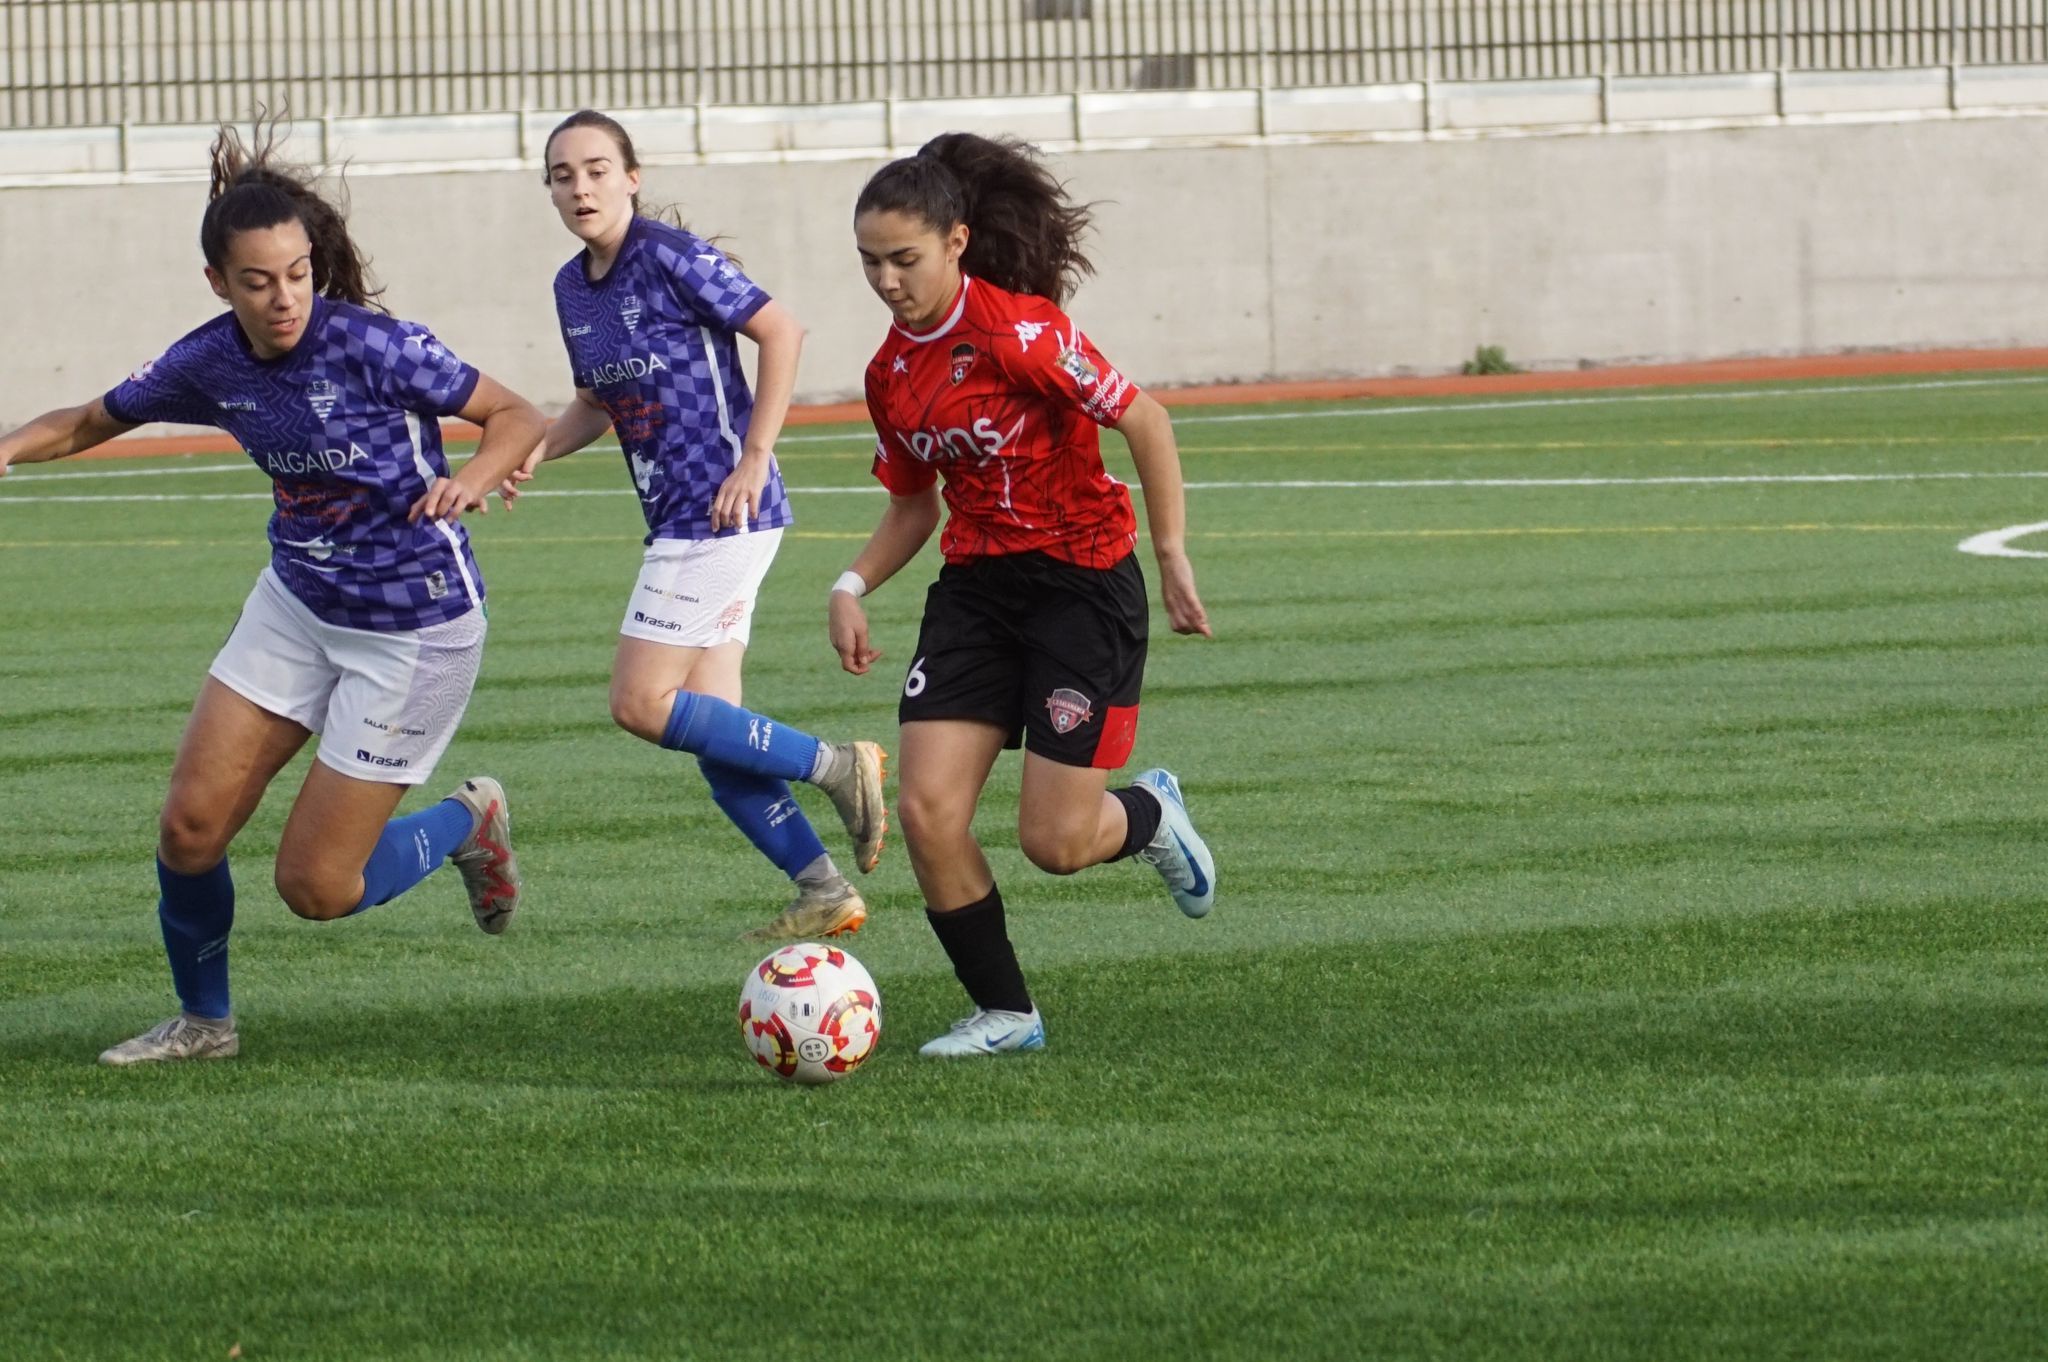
385	705
699	593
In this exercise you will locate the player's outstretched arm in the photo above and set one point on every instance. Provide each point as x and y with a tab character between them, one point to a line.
1149	431
584	420
906	524
55	434
511	426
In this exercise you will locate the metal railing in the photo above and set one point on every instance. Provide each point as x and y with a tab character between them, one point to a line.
99	62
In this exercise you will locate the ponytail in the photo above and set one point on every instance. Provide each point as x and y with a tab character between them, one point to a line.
250	189
1023	233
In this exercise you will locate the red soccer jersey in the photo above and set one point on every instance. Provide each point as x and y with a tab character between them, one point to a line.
1003	397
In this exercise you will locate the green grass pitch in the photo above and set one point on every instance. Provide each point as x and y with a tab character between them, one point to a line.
1630	939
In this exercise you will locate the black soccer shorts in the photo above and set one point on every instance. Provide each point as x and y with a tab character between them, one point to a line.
1052	653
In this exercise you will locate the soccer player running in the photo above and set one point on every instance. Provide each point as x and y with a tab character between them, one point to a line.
366	628
1035	630
649	313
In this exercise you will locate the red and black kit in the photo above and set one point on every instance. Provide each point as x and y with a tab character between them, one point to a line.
1038	621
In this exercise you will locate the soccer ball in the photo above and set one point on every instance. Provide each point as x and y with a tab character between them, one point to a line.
810	1013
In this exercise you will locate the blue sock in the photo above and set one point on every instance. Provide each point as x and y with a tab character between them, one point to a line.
412	848
762	807
709	727
196	913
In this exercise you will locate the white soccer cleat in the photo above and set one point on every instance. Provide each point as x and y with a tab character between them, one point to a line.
1177	851
835	909
989	1033
857	795
181	1037
490	872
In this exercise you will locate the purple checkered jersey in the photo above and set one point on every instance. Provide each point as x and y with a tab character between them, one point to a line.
344	424
654	339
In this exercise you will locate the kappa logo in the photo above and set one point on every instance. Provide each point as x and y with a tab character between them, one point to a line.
1028	332
963	360
322	396
629	311
1069	709
899	366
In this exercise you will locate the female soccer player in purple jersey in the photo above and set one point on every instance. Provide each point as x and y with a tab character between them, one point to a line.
367	626
649	313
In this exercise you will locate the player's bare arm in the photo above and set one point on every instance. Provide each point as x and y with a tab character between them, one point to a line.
905	526
780	336
1149	431
584	420
511	427
57	434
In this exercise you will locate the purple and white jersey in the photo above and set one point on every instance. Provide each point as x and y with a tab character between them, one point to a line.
344	424
654	339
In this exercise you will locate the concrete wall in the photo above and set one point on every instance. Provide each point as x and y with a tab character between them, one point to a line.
1221	263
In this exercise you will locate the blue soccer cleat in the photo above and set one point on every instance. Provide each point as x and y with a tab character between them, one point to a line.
1177	851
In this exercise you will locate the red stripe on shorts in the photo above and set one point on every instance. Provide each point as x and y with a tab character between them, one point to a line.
1119	735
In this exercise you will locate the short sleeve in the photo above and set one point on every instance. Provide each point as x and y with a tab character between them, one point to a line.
711	286
1052	357
415	372
158	391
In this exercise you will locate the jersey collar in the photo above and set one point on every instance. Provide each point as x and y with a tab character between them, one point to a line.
952	318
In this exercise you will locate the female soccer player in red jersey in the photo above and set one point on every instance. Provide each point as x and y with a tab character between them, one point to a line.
1034	633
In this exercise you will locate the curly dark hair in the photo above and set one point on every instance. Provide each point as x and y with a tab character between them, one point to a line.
1024	233
251	188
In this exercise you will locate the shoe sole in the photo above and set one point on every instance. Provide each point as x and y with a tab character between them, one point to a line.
865	753
496	915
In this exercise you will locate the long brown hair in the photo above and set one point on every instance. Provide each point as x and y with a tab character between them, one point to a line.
628	157
252	188
1024	233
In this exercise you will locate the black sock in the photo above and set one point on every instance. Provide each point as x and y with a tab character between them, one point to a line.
1142	812
978	944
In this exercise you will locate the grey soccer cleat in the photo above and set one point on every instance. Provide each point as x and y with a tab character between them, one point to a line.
1177	851
856	792
181	1037
490	872
832	909
988	1033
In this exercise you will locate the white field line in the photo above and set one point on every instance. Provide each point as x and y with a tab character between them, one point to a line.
1998	543
1293	484
1234	418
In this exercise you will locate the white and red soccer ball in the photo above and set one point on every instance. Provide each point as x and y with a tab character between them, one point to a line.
810	1013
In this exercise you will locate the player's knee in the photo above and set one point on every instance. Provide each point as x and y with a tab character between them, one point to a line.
314	897
642	715
188	842
930	818
1055	849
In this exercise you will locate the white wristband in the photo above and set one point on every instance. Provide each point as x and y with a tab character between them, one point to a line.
852	583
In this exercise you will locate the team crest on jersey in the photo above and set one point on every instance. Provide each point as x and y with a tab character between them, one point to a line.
963	360
629	311
1077	365
1069	709
321	396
